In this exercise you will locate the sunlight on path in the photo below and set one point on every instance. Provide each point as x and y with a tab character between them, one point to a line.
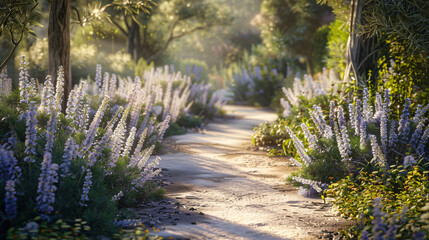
239	193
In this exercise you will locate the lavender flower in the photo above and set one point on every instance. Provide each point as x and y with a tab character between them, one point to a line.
393	137
90	135
377	154
358	118
69	154
163	127
46	189
295	162
9	168
59	89
386	104
98	80
299	147
363	134
129	143
418	114
351	115
48	176
310	137
423	141
24	83
404	125
48	101
409	161
105	90
417	134
367	109
10	199
332	114
318	186
383	131
117	196
341	118
31	134
84	197
379	227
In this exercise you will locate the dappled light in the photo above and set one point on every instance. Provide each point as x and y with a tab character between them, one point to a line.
214	119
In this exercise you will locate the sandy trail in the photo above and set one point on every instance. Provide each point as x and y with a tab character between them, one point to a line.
220	189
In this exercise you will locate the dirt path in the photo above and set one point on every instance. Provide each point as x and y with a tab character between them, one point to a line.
217	188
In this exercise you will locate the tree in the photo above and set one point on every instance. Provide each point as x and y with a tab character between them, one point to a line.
16	19
59	43
289	26
149	36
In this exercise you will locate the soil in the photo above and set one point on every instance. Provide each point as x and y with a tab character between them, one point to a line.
218	187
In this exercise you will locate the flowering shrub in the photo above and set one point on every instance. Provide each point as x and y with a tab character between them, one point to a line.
399	194
368	128
255	85
84	161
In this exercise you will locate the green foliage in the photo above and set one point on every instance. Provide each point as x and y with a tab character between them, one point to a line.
16	19
270	134
290	26
403	192
336	45
60	229
405	77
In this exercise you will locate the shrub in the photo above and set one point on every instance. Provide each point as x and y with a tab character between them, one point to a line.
366	129
388	202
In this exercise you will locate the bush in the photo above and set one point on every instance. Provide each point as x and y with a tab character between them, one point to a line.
400	193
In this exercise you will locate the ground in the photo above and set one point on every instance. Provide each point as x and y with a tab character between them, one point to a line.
218	187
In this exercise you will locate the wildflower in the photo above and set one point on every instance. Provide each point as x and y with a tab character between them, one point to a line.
379	227
332	114
24	83
118	137
409	161
341	118
363	135
418	114
310	137
318	186
90	135
9	168
351	114
393	137
423	141
367	109
295	162
358	118
163	127
383	131
377	154
69	154
98	80
31	133
112	85
48	101
59	89
299	147
417	134
84	197
10	199
130	142
105	90
404	125
117	196
386	103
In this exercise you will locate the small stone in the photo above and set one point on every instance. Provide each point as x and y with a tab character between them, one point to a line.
194	223
201	213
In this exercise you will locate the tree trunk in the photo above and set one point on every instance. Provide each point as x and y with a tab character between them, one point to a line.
59	43
133	39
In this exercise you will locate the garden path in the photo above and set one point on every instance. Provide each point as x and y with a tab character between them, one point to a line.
219	188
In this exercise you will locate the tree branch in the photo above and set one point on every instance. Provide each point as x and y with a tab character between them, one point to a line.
120	27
